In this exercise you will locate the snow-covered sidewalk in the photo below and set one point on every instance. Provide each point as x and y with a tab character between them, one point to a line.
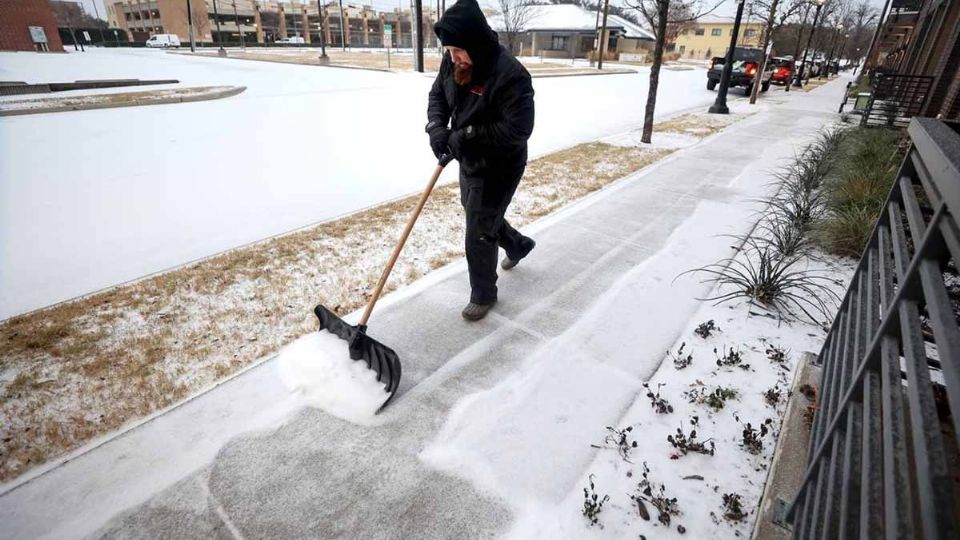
492	428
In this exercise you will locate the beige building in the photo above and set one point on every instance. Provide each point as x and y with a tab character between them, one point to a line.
709	36
266	22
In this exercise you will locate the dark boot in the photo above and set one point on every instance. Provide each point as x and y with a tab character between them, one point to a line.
475	312
511	260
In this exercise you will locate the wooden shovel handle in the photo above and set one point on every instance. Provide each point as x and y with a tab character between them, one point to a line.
403	240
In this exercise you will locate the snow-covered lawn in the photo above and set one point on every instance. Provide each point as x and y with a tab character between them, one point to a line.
91	199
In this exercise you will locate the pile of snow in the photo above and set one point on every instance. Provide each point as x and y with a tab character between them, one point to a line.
318	367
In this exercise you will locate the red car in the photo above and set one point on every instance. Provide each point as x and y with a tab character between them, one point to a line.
782	70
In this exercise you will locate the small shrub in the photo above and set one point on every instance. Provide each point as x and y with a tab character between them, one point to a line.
656	495
776	354
751	438
659	404
772	396
760	274
689	443
681	360
715	400
593	504
733	507
706	329
618	438
730	358
846	231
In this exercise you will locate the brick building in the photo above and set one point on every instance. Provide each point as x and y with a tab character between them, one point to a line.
266	21
920	39
28	25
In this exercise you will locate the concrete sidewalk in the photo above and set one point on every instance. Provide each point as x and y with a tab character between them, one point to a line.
305	474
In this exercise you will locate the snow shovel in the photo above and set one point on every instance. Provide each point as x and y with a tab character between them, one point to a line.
379	357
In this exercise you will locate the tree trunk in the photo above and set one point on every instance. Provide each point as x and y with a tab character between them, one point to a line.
766	43
663	9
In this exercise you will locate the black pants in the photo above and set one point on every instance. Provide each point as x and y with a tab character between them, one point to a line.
486	231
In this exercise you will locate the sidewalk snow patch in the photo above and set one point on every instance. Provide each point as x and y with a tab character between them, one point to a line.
318	367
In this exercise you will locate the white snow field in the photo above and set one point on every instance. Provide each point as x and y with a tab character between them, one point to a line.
90	199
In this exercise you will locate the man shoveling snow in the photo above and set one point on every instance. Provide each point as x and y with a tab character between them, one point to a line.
486	96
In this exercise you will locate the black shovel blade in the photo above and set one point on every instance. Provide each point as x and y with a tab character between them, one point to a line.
380	358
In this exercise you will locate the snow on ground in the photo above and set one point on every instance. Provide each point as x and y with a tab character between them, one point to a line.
318	368
511	440
128	192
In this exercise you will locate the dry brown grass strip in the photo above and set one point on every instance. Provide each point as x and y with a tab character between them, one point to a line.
87	367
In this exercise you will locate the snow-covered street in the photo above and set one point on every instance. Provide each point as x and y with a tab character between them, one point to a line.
498	425
113	195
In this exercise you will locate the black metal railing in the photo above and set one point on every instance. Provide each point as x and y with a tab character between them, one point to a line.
895	99
883	444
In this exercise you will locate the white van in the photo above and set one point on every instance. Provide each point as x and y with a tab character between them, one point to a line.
296	39
163	40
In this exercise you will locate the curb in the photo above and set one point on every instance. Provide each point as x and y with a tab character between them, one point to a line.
557	75
789	457
318	64
219	94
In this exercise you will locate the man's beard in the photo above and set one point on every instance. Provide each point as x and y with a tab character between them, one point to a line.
462	74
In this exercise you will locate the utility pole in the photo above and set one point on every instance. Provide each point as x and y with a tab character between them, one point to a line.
216	16
720	105
97	12
323	37
603	38
236	18
343	22
418	28
813	30
193	43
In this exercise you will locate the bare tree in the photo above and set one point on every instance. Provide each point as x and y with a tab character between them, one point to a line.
69	14
665	18
516	15
776	12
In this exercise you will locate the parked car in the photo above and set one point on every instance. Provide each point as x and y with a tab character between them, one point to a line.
782	70
746	63
164	41
295	39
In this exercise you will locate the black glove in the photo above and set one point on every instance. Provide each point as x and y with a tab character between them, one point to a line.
439	137
458	140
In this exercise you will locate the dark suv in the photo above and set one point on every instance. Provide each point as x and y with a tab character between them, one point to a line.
746	63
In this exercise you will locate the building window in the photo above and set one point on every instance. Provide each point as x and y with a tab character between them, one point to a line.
126	16
716	32
731	31
750	32
559	43
683	48
699	32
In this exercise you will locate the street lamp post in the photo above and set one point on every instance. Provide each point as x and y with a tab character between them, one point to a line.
813	30
825	73
216	16
720	105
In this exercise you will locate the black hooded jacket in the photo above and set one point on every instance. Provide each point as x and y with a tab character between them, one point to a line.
497	105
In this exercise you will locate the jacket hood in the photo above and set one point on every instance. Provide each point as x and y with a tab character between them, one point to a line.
465	26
